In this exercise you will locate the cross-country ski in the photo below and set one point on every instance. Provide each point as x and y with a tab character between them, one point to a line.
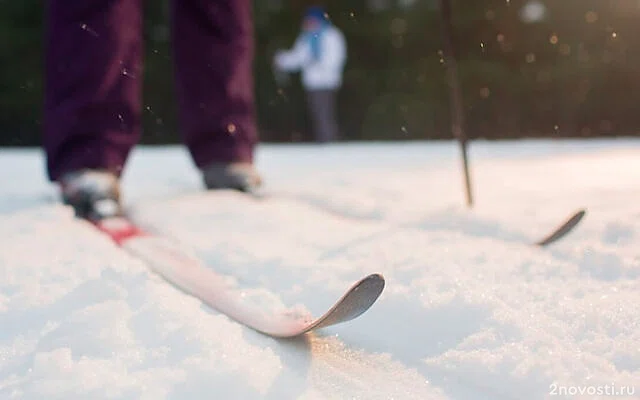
196	279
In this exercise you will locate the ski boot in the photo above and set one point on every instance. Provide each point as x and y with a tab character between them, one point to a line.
237	176
93	194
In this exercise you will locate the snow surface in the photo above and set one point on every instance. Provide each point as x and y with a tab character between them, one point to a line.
471	310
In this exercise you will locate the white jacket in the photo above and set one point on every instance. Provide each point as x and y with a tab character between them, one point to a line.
323	74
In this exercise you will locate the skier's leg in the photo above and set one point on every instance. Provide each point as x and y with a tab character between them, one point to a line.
322	112
92	84
312	98
330	124
213	56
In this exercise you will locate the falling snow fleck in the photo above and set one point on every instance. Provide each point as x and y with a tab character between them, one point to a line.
126	72
85	27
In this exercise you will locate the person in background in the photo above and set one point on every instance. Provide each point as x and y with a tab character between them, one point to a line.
93	82
320	52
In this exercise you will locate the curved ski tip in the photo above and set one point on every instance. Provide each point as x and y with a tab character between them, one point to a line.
374	283
577	217
564	228
375	276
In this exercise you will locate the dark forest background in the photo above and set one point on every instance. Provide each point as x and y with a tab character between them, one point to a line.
576	73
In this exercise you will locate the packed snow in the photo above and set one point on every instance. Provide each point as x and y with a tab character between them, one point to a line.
471	309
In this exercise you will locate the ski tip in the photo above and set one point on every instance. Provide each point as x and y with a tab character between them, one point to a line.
373	284
374	279
576	217
580	213
375	276
564	228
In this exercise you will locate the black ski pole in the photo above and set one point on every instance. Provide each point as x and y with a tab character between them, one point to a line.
457	110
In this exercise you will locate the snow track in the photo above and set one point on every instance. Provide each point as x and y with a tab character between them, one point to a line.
471	310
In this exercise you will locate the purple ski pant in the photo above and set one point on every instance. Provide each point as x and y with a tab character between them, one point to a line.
93	81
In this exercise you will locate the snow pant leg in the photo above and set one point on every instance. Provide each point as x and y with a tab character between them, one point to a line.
322	108
93	84
213	55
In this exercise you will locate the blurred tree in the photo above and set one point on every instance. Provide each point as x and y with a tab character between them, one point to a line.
569	70
20	71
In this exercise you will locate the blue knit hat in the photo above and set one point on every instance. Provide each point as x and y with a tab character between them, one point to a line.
316	12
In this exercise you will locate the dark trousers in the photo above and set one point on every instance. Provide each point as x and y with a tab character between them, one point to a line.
93	81
322	108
